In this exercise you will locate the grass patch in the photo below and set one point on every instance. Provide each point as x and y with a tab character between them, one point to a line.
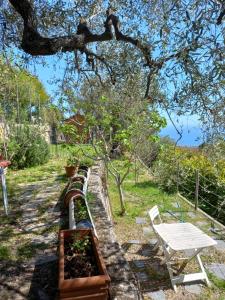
219	283
4	252
139	197
28	250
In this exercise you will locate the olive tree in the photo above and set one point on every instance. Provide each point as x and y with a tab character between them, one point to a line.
179	43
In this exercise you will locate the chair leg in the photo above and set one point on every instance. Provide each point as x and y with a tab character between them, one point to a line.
170	270
156	246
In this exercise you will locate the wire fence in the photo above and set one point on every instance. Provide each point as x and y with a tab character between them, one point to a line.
203	192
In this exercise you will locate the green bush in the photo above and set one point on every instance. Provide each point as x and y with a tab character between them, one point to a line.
176	168
27	148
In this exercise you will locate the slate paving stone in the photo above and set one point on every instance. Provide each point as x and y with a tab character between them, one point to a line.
147	230
142	276
193	288
139	264
140	220
134	242
146	252
217	269
220	245
157	295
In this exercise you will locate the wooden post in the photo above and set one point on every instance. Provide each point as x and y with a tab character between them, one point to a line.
196	188
178	173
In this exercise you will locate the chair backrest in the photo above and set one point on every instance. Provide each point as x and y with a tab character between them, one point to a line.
154	213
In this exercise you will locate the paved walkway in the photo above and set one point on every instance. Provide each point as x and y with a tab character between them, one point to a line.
33	275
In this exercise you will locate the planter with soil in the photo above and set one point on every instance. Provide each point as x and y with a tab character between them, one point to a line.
81	213
82	272
72	193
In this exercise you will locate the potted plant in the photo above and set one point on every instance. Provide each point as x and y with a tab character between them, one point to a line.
72	166
82	272
86	163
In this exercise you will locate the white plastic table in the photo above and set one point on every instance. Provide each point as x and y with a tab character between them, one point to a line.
178	237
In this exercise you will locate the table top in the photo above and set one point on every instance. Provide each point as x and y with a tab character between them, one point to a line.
183	236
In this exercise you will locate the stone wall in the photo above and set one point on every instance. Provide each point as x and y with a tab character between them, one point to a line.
123	283
45	130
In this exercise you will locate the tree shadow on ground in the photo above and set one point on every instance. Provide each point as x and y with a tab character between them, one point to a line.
44	283
11	286
148	270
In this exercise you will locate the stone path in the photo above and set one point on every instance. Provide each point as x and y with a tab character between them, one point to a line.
36	276
123	283
153	278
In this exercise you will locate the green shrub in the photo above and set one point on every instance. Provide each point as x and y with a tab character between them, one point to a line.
27	148
176	168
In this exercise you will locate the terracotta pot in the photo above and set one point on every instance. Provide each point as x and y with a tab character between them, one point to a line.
86	288
71	170
73	193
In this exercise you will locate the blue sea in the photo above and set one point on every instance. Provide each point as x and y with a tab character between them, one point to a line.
189	126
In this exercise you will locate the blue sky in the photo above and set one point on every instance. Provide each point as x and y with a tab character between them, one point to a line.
189	125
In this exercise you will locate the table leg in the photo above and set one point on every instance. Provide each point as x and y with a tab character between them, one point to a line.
203	270
184	264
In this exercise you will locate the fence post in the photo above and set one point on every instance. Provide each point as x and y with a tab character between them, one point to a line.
196	188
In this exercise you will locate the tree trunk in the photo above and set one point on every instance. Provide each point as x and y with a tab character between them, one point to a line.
136	172
121	196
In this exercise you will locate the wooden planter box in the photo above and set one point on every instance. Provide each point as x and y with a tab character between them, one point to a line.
86	288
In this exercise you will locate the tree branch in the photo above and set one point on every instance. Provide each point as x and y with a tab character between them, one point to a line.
35	44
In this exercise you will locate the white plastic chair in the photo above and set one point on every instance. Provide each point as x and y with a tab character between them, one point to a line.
154	214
